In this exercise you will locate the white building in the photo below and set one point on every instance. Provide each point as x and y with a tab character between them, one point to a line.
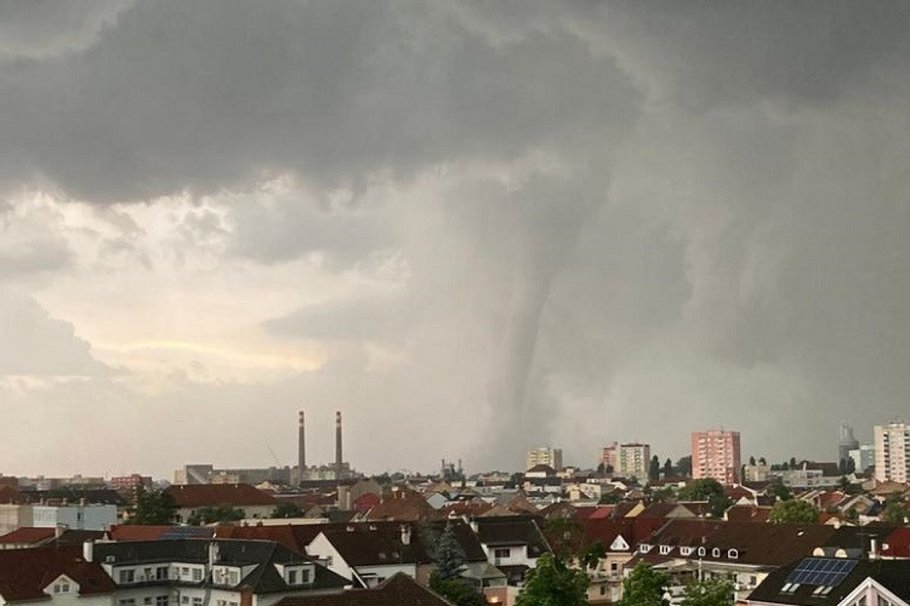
634	460
892	452
863	457
76	517
544	456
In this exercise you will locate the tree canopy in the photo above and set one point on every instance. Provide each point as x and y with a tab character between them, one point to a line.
793	512
215	515
645	586
553	583
707	489
154	507
286	510
711	592
446	579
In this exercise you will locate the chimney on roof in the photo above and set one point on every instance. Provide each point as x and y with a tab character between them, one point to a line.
301	445
338	457
88	550
405	534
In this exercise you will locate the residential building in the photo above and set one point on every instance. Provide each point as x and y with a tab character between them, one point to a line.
372	552
544	456
892	452
398	590
192	572
634	460
192	497
55	576
78	517
511	543
609	457
825	580
716	454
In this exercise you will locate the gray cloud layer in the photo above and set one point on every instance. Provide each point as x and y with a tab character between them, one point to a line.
722	237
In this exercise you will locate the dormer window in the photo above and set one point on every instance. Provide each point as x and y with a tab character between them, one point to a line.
665	549
733	554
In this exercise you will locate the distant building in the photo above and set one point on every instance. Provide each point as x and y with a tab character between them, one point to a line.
757	473
545	456
846	443
76	517
609	456
892	452
716	454
863	457
634	460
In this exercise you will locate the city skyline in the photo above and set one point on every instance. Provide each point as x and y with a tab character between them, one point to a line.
474	228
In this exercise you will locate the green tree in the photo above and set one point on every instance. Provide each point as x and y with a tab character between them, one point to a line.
215	515
762	461
566	537
654	469
793	464
752	461
593	555
793	512
778	489
707	489
645	587
711	592
446	579
684	466
552	583
896	513
286	510
154	507
668	468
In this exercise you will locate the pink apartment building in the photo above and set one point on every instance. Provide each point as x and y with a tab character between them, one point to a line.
715	454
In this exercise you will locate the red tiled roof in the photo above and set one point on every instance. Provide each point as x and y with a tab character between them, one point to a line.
601	511
27	536
748	513
366	502
137	532
8	494
24	573
283	534
898	543
213	495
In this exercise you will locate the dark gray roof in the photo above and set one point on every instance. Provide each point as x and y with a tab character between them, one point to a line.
263	579
893	574
512	530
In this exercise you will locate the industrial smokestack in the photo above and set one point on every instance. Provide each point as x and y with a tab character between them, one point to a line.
338	457
301	446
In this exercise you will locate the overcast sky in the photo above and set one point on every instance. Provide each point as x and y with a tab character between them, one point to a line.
474	227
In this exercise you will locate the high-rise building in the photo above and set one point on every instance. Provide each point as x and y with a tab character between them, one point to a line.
545	456
863	457
609	457
892	452
634	460
846	443
716	454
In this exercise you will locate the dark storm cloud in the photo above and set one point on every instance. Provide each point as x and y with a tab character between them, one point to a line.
203	95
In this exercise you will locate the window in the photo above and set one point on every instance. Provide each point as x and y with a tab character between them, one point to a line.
147	573
126	602
883	602
862	601
147	600
185	599
161	600
127	576
197	601
292	577
614	566
161	573
197	574
185	571
502	553
304	576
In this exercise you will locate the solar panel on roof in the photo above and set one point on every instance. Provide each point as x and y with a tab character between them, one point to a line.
824	572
